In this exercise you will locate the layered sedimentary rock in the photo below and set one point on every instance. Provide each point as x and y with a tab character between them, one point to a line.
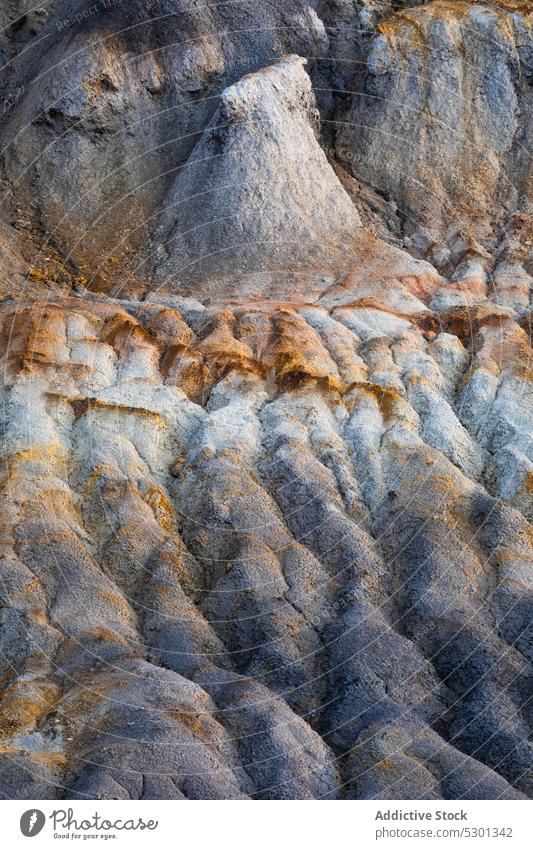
267	552
266	511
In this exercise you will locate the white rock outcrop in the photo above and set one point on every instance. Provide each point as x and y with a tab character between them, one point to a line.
258	192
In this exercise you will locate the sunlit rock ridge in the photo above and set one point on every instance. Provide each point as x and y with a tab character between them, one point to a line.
265	322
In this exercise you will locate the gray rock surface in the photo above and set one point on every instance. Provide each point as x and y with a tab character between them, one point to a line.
113	104
266	513
248	553
257	193
440	121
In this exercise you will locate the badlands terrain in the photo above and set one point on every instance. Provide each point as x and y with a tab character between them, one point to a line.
267	479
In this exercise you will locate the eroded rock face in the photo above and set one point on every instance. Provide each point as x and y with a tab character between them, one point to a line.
442	123
427	105
266	513
113	105
283	552
257	191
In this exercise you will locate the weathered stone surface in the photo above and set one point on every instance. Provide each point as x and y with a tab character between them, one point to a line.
266	525
257	193
440	122
282	571
113	104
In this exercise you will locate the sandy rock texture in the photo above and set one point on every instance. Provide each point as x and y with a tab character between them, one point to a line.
265	336
256	187
440	121
268	552
425	113
113	105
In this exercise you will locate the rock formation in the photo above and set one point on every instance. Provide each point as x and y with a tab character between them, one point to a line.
265	335
442	124
256	188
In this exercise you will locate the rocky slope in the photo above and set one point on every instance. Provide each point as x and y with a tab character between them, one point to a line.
266	339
